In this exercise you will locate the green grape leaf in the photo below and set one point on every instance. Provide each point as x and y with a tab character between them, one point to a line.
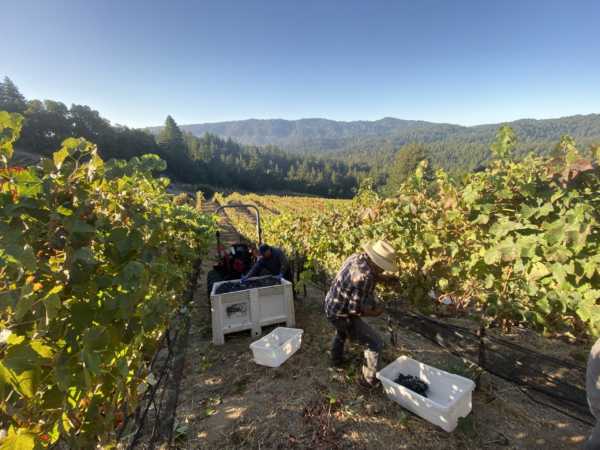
21	357
25	382
492	256
28	183
588	310
557	253
94	164
544	210
11	241
508	250
24	304
559	272
52	302
132	274
538	270
10	128
85	256
43	350
544	306
92	361
442	283
482	219
527	211
555	232
19	441
82	227
590	267
64	211
60	156
502	228
431	240
527	245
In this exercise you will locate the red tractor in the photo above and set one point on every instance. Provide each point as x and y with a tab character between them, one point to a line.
237	259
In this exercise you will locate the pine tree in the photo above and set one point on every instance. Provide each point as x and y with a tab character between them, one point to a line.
11	99
175	151
406	161
170	137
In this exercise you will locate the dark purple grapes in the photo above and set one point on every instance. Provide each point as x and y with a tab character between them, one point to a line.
235	286
413	383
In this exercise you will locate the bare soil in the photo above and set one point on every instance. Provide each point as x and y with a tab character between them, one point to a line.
229	402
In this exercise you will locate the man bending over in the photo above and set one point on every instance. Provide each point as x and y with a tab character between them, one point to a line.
351	297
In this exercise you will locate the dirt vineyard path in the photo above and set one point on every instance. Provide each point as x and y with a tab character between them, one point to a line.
228	402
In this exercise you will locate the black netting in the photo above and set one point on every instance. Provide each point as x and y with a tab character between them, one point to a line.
557	383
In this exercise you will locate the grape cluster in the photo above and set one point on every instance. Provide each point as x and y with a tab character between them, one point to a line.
413	383
235	286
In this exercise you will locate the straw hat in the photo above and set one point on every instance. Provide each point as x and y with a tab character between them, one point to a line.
382	254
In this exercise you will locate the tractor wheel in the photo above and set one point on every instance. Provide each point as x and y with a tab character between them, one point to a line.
212	277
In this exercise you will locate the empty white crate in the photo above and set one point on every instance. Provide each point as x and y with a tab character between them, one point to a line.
250	309
276	347
448	398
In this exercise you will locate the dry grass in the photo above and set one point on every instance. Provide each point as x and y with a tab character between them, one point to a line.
230	402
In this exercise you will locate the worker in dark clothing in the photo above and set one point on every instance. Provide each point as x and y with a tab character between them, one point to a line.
272	261
592	385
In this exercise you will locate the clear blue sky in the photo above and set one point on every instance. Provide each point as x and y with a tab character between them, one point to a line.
464	62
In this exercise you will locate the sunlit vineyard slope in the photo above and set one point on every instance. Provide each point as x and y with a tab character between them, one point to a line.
94	258
273	208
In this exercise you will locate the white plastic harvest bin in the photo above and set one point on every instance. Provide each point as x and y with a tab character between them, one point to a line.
276	347
250	309
448	397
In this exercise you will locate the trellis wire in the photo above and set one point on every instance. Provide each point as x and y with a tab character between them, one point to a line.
167	370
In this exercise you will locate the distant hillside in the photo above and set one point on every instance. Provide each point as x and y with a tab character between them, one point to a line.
204	162
317	135
329	136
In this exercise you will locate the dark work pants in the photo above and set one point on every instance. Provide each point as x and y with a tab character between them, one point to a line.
593	394
355	329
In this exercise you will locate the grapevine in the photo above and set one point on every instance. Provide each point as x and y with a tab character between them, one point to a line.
94	256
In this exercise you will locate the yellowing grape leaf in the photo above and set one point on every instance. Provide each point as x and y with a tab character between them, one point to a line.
20	441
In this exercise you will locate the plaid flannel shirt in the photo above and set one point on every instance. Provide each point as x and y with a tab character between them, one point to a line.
352	288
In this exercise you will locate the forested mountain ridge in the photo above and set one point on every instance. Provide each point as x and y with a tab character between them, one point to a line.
207	161
323	136
469	148
316	134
